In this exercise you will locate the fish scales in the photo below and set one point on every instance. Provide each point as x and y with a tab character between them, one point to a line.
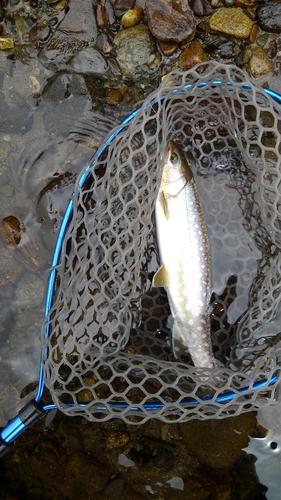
184	250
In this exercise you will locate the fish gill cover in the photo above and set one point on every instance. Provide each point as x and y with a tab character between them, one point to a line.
108	330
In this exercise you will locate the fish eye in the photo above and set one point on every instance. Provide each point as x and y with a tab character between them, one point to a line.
174	158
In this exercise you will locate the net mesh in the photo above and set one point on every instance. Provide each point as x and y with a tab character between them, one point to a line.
108	348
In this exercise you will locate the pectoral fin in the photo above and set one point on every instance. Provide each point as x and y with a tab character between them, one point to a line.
161	278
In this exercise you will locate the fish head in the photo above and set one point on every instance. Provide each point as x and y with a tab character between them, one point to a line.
176	171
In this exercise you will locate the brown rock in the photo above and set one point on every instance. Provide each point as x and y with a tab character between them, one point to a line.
39	33
101	16
121	6
114	96
103	44
168	48
131	18
260	64
243	3
115	439
192	55
201	8
254	33
170	20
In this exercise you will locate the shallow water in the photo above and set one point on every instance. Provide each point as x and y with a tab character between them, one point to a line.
42	139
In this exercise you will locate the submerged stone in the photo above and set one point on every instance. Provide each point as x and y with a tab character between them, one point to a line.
232	21
134	48
6	42
170	20
260	64
89	61
269	17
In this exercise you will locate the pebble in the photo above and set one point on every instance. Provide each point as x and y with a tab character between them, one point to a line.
260	64
168	48
101	16
121	6
39	33
115	95
6	42
116	439
34	84
134	48
198	7
77	31
192	55
254	33
103	44
170	21
90	62
132	17
269	17
232	21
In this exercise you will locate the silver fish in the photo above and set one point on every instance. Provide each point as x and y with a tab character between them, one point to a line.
185	257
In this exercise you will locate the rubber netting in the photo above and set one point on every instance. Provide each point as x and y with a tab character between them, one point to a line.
108	348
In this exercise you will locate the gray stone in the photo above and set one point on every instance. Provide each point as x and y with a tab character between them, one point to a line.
134	49
90	62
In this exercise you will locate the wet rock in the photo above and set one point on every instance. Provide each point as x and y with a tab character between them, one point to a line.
271	49
254	33
244	3
260	64
77	31
11	230
192	55
90	62
6	42
87	471
168	48
2	13
114	96
39	33
131	18
219	443
269	17
114	489
200	8
121	6
170	21
229	49
101	16
116	439
134	48
232	21
103	44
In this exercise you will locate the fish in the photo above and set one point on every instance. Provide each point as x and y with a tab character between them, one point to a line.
185	257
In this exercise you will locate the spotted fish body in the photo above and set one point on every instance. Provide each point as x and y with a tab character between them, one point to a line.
185	256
